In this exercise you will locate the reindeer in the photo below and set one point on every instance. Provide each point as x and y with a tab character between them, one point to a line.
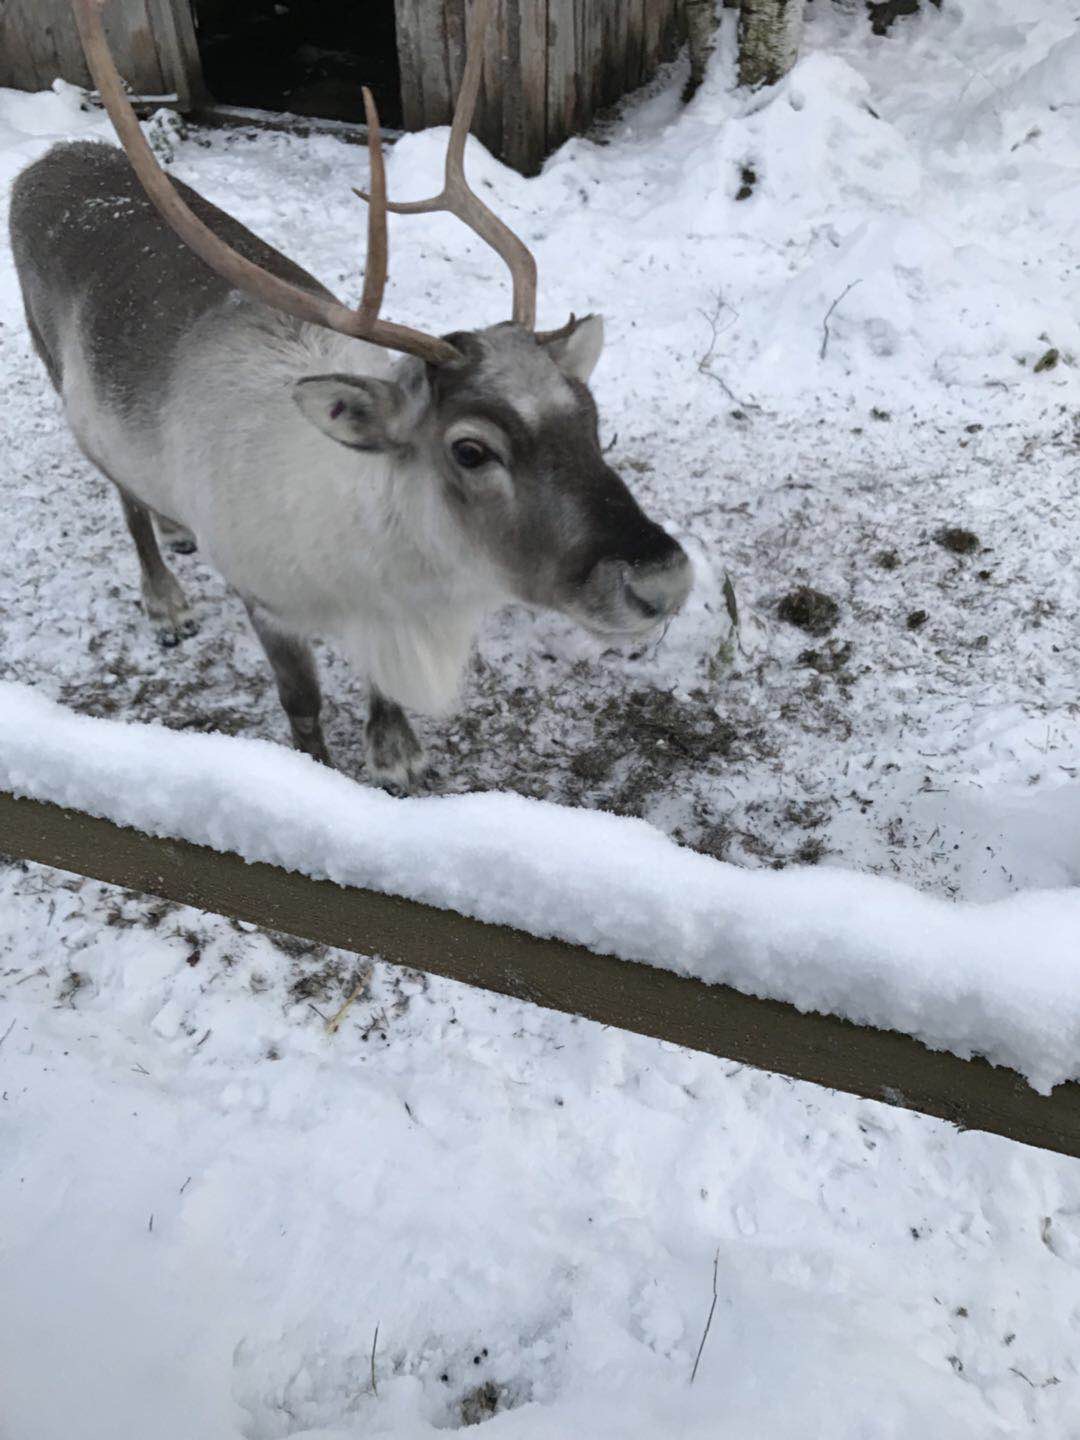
351	478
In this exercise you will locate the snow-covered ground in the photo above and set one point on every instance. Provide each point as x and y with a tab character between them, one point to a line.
529	1208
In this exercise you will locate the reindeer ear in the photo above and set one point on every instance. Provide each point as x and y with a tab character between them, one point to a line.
353	410
576	347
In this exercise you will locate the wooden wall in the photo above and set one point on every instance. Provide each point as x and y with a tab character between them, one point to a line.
153	41
549	65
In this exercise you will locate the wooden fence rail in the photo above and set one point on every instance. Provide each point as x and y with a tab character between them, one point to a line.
877	1064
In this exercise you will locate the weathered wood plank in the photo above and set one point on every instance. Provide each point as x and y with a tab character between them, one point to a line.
655	10
635	43
876	1064
513	107
604	16
524	126
495	81
412	89
591	56
434	62
614	38
626	61
562	67
18	63
456	33
37	22
512	138
38	43
178	51
534	73
131	39
69	51
674	30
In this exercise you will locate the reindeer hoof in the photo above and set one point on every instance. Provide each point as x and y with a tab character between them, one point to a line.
177	538
396	760
170	635
403	780
307	737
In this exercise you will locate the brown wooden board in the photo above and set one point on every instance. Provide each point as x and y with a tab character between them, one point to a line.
496	80
408	45
674	29
653	22
454	12
524	140
17	66
613	30
635	43
561	67
135	39
31	25
877	1064
178	50
69	53
153	42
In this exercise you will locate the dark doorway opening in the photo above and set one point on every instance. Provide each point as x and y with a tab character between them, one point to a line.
308	57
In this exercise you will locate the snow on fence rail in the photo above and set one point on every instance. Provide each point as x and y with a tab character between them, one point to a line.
769	1034
550	905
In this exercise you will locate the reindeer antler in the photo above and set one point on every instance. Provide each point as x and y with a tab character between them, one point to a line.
362	323
458	199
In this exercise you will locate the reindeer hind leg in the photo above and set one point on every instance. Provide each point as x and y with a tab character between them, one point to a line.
162	596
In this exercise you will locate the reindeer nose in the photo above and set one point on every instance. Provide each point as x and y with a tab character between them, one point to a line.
658	588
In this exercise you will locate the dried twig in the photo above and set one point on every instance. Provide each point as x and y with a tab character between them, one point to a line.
7	1032
361	984
825	322
1035	1384
708	1322
374	1342
705	363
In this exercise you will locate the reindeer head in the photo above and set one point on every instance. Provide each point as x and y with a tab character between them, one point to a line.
508	432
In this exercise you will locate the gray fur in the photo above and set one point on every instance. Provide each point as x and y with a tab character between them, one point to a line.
84	235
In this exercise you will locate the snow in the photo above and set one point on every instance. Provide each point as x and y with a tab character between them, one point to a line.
997	979
473	1175
202	1229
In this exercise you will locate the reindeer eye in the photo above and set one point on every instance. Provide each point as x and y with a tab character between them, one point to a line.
470	454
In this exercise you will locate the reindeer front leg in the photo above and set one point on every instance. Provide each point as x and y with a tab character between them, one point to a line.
293	664
395	757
